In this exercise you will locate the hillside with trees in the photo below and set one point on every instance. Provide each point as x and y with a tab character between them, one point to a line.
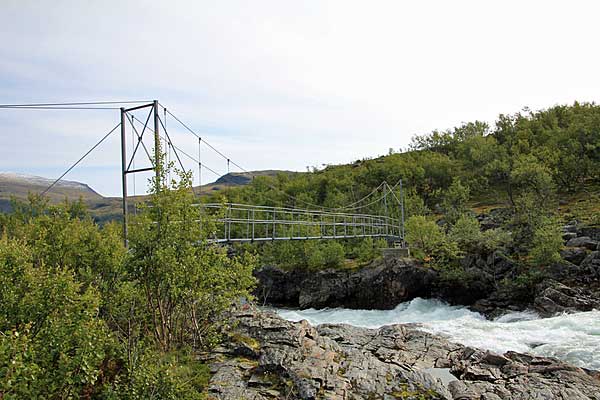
505	189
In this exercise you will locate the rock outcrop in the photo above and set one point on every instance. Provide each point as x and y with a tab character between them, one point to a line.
270	358
386	283
555	297
382	285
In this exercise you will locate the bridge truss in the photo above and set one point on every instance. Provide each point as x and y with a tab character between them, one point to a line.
250	223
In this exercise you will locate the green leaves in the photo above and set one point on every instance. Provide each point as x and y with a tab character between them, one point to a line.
51	342
547	243
429	241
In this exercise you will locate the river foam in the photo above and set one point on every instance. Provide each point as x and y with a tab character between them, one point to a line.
574	338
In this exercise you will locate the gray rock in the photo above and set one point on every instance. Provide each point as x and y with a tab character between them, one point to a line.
396	281
297	361
574	255
591	267
568	236
583	241
557	298
571	227
591	231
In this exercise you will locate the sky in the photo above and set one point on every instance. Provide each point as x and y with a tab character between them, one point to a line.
280	84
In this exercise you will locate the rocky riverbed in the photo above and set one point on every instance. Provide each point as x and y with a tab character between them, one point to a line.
271	358
268	357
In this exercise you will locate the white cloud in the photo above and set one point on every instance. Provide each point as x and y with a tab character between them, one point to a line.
287	84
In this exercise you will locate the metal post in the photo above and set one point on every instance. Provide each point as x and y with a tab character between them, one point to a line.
321	226
124	174
157	154
345	227
229	223
248	224
334	228
402	213
386	208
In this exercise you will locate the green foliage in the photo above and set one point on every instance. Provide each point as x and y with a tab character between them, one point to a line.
368	250
52	345
333	254
455	201
547	243
466	232
312	254
82	318
187	283
429	241
173	375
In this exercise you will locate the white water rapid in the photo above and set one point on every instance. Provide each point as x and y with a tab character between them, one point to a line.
574	338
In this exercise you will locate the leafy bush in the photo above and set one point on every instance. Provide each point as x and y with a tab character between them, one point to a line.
333	254
467	233
455	200
547	243
52	345
429	242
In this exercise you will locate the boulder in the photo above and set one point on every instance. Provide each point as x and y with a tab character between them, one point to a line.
568	236
591	267
574	255
583	241
571	227
555	297
591	231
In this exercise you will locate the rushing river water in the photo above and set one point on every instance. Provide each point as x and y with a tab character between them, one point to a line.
574	338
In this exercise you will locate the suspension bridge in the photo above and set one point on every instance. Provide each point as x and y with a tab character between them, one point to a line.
379	214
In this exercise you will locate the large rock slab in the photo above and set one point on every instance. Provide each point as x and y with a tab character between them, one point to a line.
270	358
583	241
382	285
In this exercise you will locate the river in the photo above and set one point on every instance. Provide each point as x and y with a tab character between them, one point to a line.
574	338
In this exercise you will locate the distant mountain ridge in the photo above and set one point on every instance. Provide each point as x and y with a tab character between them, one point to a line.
244	178
19	185
34	180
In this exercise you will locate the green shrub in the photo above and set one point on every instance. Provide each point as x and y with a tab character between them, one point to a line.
429	242
52	343
547	243
333	254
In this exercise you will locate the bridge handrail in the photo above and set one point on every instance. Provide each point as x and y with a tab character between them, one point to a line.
248	207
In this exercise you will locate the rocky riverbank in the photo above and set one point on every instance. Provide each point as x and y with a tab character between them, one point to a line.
269	358
572	284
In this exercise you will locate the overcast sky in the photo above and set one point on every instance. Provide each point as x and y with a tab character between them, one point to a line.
281	84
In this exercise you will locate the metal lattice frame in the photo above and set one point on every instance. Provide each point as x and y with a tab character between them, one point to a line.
250	223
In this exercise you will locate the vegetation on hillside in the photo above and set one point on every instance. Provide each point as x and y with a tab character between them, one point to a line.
80	317
525	163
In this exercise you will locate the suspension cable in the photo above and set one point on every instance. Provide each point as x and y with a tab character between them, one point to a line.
182	152
86	103
81	159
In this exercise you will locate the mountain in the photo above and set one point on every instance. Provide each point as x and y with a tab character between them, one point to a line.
233	179
18	185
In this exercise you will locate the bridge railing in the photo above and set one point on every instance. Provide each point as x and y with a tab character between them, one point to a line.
248	223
